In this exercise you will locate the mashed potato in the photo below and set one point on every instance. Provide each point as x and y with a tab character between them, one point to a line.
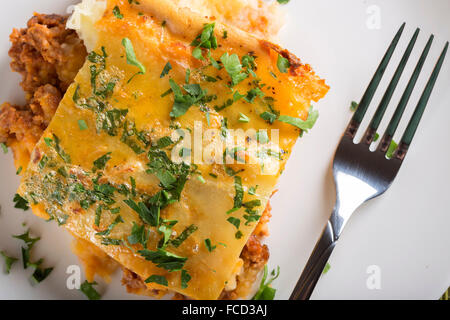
261	18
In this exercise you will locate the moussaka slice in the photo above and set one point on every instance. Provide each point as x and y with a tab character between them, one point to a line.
168	145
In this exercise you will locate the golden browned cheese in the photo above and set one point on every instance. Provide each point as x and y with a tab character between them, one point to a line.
162	33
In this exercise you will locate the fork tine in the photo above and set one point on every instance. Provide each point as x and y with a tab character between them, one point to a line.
393	124
418	112
378	116
373	85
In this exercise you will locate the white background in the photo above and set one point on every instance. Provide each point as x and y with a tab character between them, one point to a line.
404	232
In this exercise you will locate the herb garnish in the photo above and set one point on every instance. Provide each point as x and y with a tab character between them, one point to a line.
164	259
88	289
304	125
266	292
182	102
82	125
138	235
157	279
184	235
100	163
20	203
39	274
110	227
243	118
391	150
234	221
149	215
185	278
116	12
166	70
131	57
9	261
209	246
4	147
111	242
239	195
233	66
206	40
283	64
55	144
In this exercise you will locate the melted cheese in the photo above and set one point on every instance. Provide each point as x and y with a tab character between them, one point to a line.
203	203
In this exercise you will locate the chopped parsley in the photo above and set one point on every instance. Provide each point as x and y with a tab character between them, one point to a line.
184	235
233	66
82	125
116	12
55	144
148	215
266	292
252	190
183	101
283	1
326	268
185	278
243	118
89	291
111	242
166	70
376	137
354	105
9	261
234	221
107	232
283	64
391	150
304	125
164	259
157	279
166	231
239	194
209	246
131	57
269	116
138	235
100	163
40	274
4	147
206	40
253	94
20	203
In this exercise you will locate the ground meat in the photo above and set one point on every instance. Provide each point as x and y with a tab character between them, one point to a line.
48	56
46	53
254	254
136	285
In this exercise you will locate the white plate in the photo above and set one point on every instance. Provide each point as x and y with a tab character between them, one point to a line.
404	233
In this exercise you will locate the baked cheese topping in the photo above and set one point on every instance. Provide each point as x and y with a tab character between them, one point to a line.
116	166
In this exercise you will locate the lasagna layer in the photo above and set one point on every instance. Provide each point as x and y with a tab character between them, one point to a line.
103	168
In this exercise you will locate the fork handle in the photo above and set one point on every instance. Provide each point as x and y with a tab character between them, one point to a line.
315	265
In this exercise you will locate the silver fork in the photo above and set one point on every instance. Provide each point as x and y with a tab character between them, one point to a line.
360	174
